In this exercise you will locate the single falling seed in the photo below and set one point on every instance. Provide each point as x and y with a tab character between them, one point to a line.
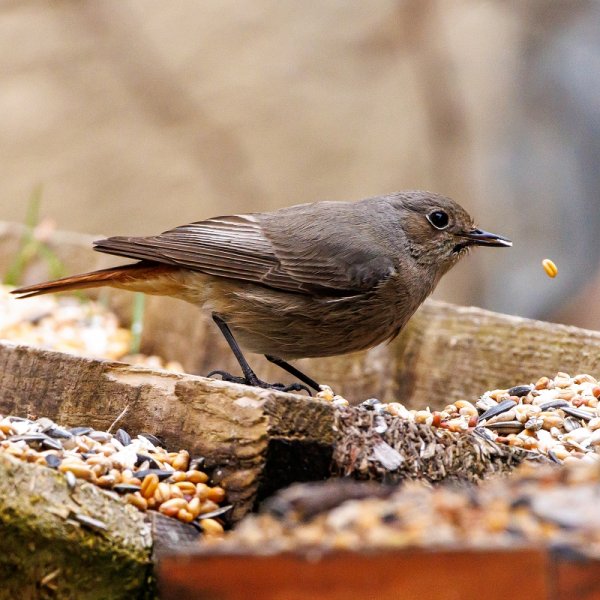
550	268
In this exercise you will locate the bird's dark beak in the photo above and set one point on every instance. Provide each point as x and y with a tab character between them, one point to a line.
478	237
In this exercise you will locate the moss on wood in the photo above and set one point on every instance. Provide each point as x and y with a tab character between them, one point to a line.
46	552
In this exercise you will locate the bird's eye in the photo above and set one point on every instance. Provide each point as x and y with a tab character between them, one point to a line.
439	219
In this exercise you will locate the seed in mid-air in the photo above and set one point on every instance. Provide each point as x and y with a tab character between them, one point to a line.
550	268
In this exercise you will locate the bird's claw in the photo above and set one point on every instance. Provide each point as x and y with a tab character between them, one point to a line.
225	376
292	387
280	387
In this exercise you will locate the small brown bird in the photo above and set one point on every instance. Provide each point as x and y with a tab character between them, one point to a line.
309	280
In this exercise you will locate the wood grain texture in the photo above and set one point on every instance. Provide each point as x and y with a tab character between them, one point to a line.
226	423
458	352
258	440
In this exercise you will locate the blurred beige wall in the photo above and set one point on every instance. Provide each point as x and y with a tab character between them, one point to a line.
137	116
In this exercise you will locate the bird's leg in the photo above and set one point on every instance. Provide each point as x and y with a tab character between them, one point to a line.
249	377
293	371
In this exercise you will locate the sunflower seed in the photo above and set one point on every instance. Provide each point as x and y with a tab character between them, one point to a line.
196	463
160	473
519	390
496	410
123	437
80	430
576	412
571	423
553	457
534	424
90	522
216	513
507	426
126	488
57	432
51	444
100	436
44	424
52	460
141	458
553	404
153	439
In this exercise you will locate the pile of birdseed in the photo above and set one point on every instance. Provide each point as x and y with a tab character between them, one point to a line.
138	469
68	324
536	505
557	417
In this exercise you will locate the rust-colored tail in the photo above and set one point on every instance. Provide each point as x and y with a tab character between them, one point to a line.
133	277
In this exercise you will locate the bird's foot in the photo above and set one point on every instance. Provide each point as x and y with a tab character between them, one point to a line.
292	387
225	376
256	382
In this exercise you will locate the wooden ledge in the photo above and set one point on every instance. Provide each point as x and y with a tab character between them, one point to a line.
415	574
49	551
257	440
229	424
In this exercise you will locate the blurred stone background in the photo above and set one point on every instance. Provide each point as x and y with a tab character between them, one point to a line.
137	116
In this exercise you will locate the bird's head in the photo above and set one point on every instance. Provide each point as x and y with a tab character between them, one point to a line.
438	230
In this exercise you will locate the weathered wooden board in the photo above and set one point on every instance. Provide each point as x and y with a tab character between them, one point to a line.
47	552
446	352
231	425
260	440
453	351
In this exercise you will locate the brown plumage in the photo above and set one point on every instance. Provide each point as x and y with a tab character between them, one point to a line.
308	280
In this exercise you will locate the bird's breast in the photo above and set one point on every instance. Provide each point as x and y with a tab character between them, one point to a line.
297	326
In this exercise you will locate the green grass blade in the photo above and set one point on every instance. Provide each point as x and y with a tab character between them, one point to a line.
137	322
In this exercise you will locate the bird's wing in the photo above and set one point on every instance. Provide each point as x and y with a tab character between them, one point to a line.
239	247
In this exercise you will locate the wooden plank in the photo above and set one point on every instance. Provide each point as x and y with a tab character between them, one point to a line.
46	551
575	577
452	352
228	424
410	575
446	352
260	440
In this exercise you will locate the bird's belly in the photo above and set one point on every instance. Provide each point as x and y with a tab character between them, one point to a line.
296	326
